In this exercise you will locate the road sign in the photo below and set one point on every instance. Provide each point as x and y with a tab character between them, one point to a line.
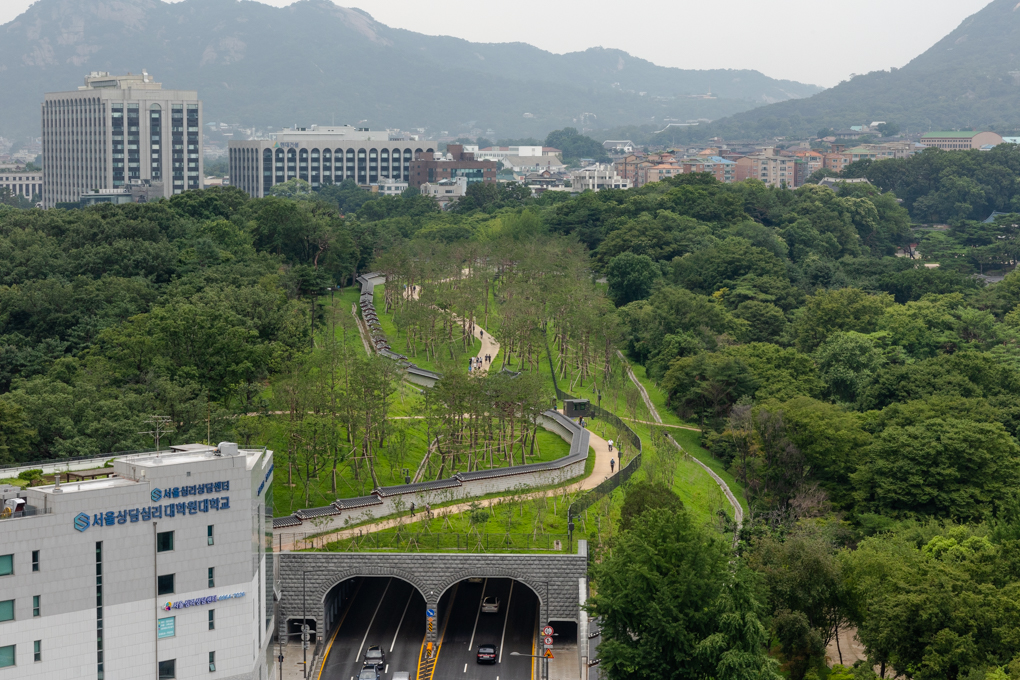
548	630
430	625
548	641
305	637
548	654
430	613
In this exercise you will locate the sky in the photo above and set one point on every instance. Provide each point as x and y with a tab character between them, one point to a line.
812	41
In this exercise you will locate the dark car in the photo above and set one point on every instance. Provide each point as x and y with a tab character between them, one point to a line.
375	657
486	653
369	673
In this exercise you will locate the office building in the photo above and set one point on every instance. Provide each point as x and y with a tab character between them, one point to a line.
717	166
116	129
597	177
432	167
21	182
323	154
163	569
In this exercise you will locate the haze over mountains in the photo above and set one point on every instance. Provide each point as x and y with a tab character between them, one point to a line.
969	79
316	62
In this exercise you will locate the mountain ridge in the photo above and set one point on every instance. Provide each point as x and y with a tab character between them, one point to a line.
310	61
969	78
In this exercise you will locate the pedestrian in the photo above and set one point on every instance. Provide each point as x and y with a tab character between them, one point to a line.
481	333
612	465
610	444
428	510
412	509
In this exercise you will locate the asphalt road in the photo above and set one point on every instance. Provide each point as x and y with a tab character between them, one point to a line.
386	612
513	629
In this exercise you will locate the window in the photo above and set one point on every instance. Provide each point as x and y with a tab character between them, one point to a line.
168	669
35	560
164	541
37	650
212	661
212	619
6	610
35	604
6	656
209	534
212	577
6	565
165	584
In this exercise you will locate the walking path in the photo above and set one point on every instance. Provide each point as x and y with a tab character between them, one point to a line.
489	345
738	512
648	422
600	472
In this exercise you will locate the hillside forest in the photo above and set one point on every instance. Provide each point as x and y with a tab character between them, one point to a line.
866	405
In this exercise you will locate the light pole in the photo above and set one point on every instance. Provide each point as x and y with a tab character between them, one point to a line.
545	666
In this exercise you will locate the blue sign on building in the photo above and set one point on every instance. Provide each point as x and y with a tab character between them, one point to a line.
82	521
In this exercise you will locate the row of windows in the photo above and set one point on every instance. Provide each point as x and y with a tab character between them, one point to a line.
9	657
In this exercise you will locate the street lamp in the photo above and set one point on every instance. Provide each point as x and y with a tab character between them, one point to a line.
545	670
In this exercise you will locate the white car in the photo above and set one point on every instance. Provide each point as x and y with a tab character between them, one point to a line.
490	605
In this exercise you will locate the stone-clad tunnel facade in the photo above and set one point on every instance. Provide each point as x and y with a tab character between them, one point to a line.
557	580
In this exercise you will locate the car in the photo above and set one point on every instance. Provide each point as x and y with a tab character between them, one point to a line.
486	654
369	673
401	675
375	657
490	605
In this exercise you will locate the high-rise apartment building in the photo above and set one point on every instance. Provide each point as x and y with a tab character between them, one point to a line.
120	130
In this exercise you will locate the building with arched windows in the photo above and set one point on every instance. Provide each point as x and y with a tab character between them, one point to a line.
323	155
117	131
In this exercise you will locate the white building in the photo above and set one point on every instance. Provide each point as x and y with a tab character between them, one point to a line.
323	154
116	129
596	177
533	163
446	191
163	570
499	153
390	187
27	183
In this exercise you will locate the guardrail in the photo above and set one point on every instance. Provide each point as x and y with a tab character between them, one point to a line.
445	541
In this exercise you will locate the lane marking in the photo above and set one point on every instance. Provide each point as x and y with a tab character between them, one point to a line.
505	617
477	614
387	669
325	657
372	620
534	643
402	619
465	668
442	635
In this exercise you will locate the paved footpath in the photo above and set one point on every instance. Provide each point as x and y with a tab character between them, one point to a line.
599	473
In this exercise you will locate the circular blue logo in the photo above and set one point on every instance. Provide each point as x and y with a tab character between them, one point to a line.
81	521
156	495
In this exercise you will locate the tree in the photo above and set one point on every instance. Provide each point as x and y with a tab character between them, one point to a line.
631	277
847	362
576	146
846	309
765	321
642	496
670	608
945	468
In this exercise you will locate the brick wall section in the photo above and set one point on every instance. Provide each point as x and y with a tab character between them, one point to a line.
432	574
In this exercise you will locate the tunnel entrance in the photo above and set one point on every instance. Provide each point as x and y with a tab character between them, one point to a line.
477	612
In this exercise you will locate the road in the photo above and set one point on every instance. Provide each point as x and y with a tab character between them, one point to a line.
513	629
386	612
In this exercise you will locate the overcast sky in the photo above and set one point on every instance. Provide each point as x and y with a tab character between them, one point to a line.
815	41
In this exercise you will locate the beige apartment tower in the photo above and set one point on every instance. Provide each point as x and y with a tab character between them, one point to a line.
116	131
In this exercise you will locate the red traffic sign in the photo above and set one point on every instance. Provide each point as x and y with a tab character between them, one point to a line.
548	654
548	641
548	630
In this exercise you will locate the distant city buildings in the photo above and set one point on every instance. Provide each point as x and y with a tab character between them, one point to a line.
446	191
21	182
597	177
953	141
119	130
324	154
431	167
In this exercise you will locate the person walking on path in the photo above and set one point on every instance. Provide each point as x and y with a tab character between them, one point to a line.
610	442
612	464
412	509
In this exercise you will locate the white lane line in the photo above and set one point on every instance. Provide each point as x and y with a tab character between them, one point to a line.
465	668
387	669
505	617
477	614
358	657
402	619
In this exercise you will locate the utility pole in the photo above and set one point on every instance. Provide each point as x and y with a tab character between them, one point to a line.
161	425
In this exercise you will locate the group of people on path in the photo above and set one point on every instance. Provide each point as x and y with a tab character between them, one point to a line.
478	362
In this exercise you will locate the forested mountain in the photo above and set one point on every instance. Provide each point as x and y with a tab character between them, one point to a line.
969	79
316	62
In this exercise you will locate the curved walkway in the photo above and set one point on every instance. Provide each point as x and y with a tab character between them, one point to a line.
489	345
600	472
738	512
